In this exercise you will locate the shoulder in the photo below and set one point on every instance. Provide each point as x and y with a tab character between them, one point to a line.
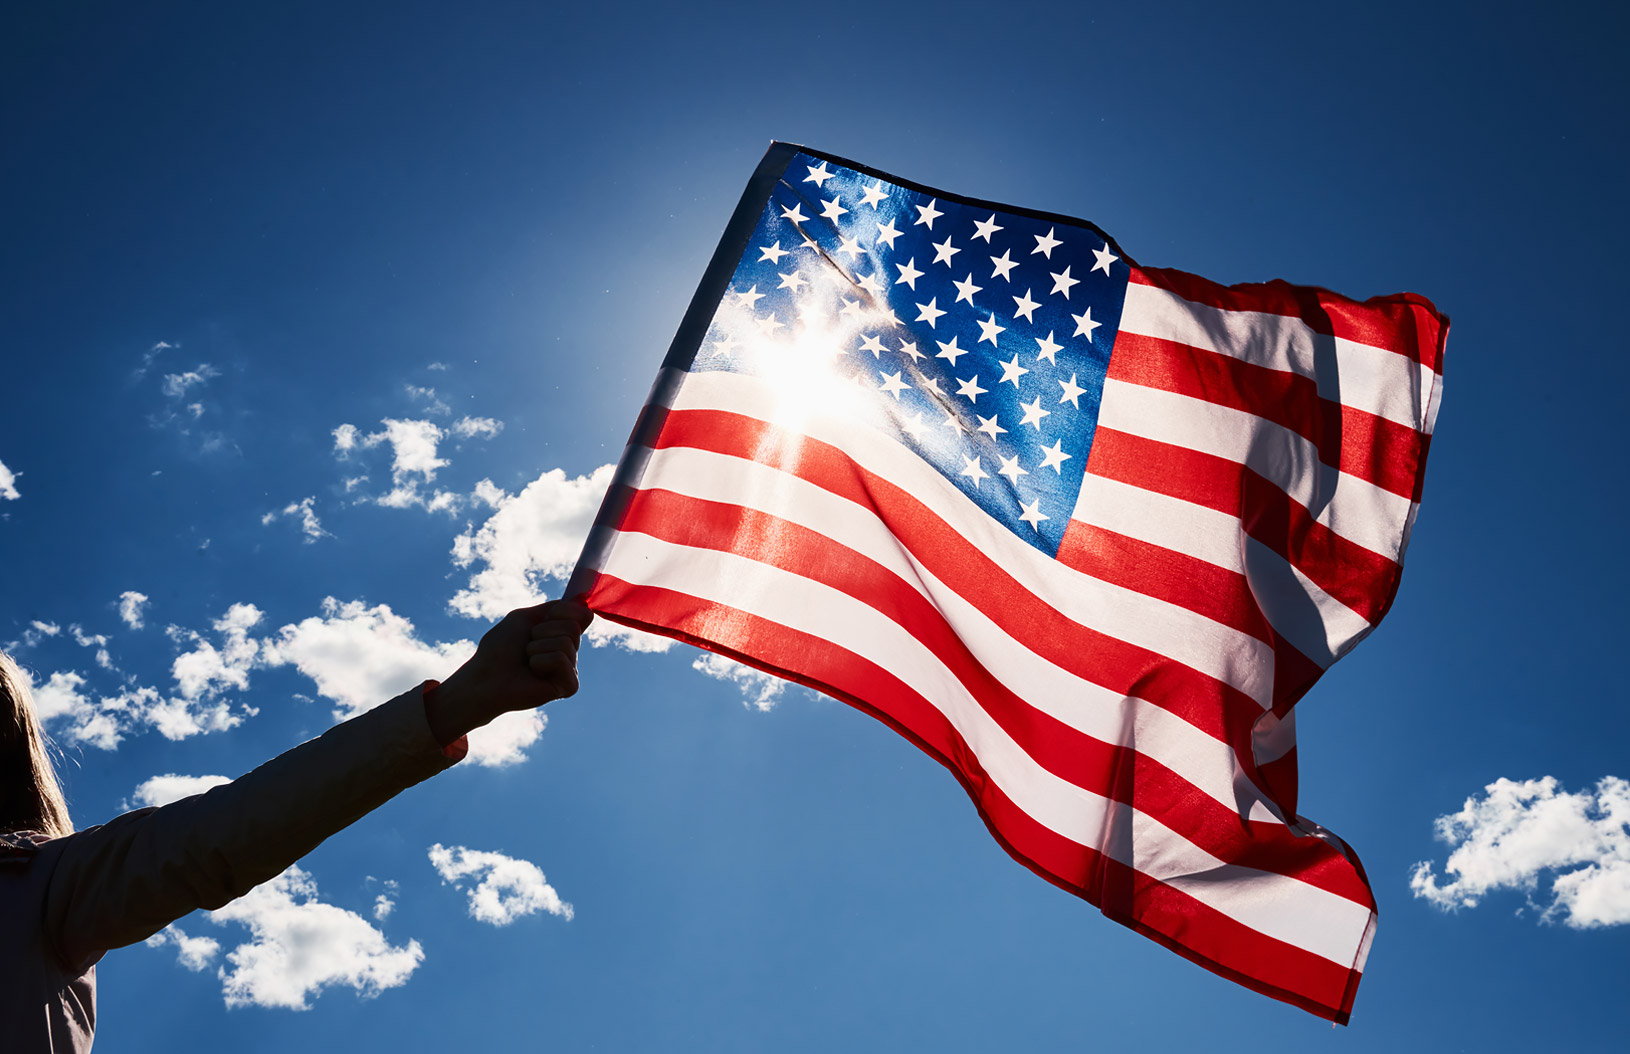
20	846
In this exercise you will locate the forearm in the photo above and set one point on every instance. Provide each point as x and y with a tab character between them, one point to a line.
122	882
453	712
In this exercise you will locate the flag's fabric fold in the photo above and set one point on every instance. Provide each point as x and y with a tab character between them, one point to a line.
1083	531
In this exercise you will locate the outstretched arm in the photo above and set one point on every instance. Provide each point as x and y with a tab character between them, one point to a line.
122	882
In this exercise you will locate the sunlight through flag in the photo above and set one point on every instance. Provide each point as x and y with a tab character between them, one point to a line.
1083	531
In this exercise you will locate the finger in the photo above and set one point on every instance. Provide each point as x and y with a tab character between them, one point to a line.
565	645
556	627
573	609
558	670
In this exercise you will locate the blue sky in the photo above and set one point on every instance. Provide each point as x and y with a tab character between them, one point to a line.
229	234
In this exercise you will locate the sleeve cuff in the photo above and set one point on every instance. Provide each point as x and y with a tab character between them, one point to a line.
459	748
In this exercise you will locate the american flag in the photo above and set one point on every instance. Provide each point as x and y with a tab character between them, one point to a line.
1083	531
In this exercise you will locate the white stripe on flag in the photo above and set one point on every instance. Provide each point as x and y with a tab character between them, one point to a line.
1205	762
1354	508
1374	380
1230	656
1284	908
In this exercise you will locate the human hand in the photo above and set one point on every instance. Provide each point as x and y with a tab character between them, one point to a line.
526	660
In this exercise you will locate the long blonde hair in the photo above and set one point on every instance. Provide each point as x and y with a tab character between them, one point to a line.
30	797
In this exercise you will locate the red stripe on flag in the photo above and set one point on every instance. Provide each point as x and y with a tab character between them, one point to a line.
1360	444
1111	771
1405	323
1363	580
1195	930
1201	586
1214	707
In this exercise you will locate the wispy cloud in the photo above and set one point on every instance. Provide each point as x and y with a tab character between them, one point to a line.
304	511
152	353
433	405
1568	852
176	385
505	888
33	634
184	407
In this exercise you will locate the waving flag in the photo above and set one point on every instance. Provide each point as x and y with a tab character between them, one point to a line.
1083	531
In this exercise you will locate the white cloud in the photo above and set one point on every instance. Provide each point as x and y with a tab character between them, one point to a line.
162	790
507	889
414	462
86	640
207	670
531	536
132	607
36	632
477	427
176	385
310	526
359	657
1520	833
178	718
98	641
8	483
301	945
439	366
413	447
759	690
384	903
195	953
604	632
69	714
407	495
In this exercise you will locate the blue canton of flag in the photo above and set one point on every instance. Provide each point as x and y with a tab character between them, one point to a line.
979	337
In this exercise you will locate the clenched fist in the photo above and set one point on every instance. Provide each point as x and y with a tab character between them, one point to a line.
526	660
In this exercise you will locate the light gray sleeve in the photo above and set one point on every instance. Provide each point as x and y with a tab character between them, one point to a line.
122	882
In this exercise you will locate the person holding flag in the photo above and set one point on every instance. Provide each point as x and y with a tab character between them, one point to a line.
68	897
